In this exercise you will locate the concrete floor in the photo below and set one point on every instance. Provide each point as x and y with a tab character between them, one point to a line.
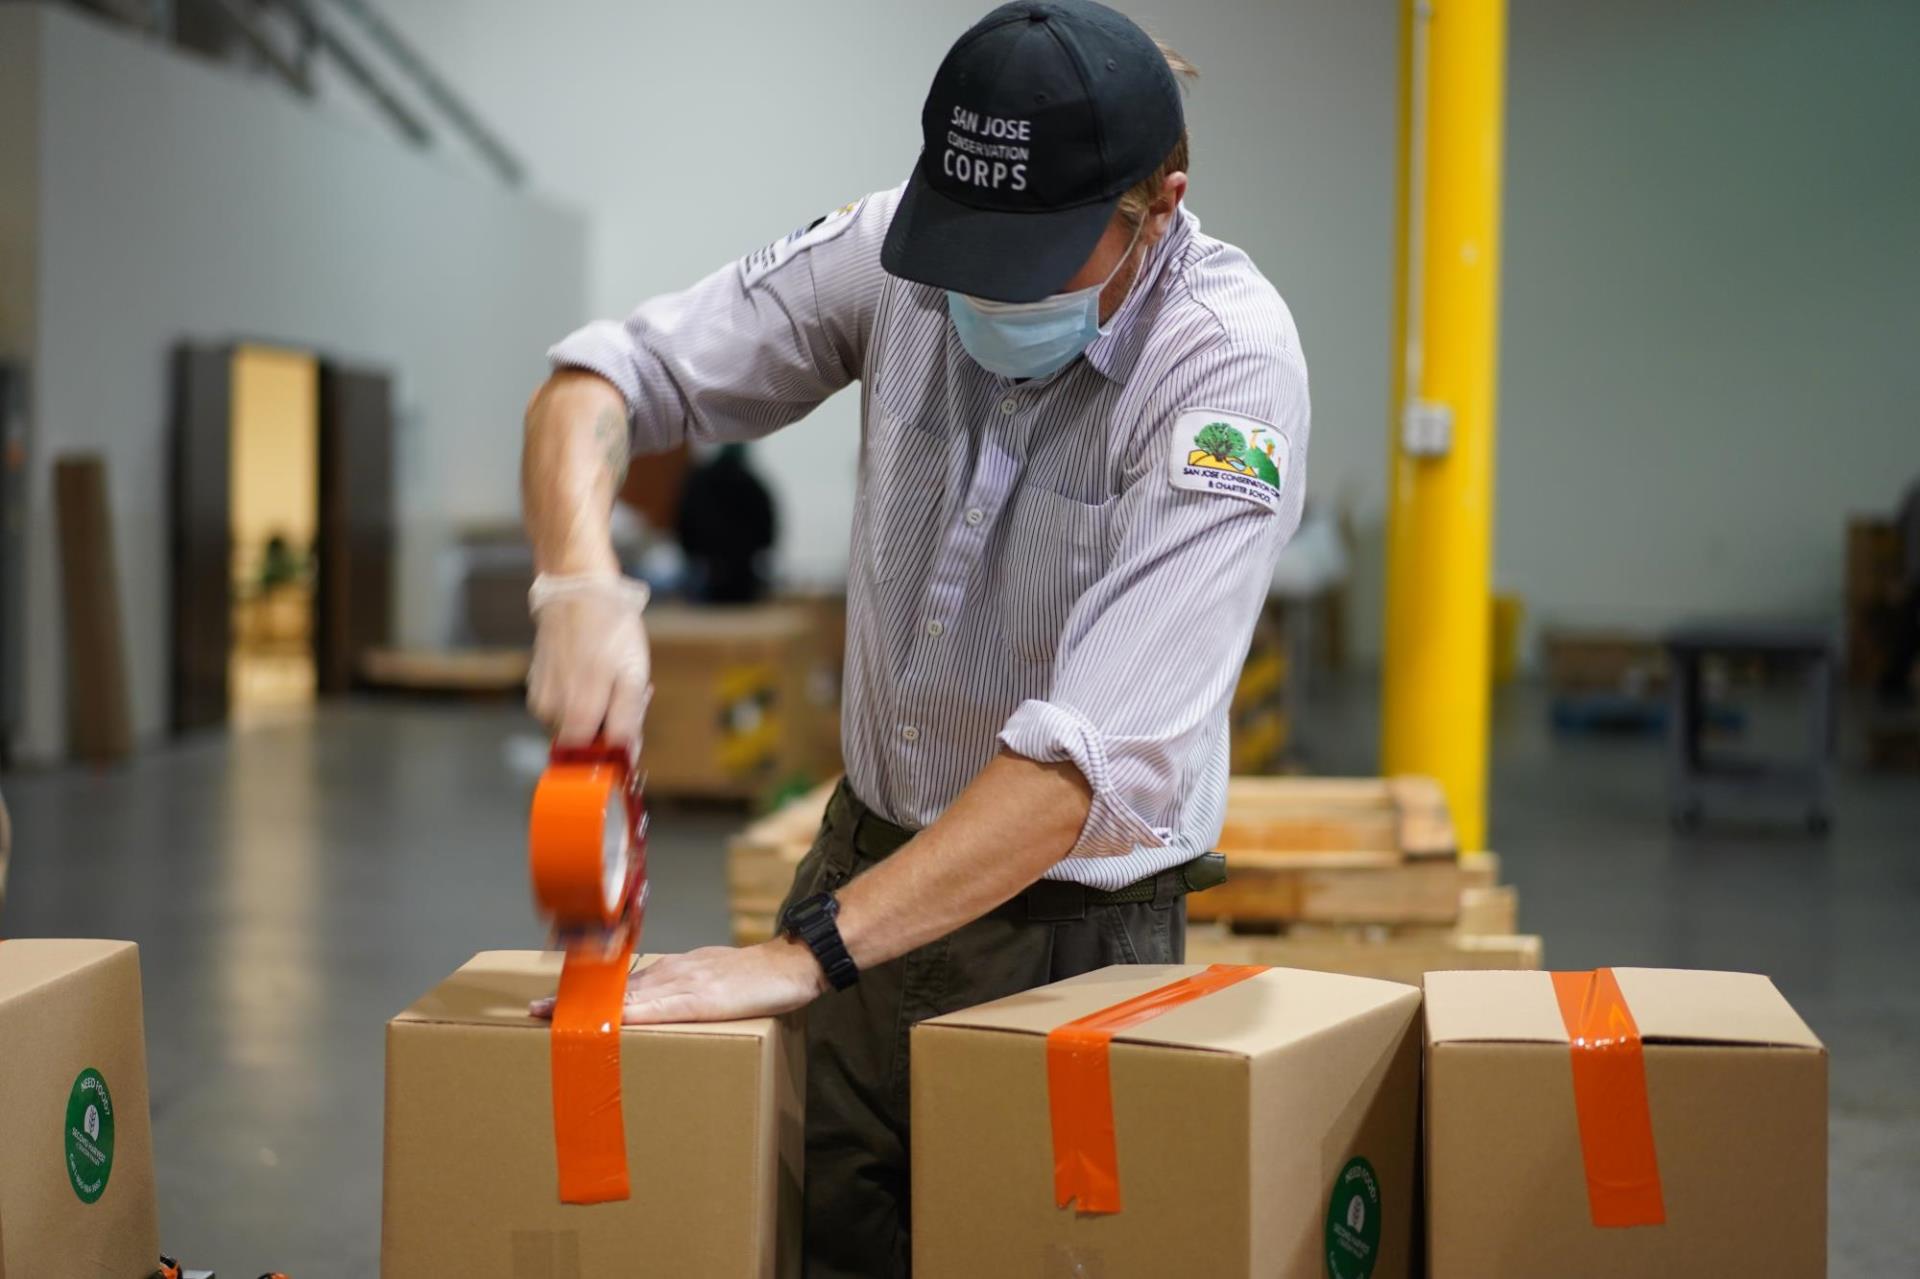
293	886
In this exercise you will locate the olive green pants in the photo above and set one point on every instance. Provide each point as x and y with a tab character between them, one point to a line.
857	1199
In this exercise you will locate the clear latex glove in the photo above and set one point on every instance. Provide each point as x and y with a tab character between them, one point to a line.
590	672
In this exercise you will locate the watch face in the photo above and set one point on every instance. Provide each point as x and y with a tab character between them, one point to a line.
810	908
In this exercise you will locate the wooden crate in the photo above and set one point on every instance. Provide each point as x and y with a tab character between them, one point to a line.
735	705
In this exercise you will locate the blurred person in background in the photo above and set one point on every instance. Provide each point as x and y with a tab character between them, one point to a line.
1083	446
727	526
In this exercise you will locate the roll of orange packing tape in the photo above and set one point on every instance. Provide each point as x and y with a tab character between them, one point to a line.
587	850
585	844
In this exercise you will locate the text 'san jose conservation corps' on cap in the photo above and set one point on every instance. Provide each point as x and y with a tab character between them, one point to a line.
1040	118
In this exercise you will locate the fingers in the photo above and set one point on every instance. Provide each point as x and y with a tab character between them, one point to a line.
585	709
542	694
713	983
681	970
640	1009
589	674
684	1005
670	989
626	709
637	989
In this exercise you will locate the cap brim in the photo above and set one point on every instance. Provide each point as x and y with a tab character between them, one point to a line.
985	253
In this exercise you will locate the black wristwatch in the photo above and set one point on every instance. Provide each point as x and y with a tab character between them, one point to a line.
815	921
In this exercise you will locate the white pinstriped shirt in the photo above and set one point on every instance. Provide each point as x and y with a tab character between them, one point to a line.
1024	569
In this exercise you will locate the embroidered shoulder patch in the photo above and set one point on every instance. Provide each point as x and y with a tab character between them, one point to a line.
1230	453
757	265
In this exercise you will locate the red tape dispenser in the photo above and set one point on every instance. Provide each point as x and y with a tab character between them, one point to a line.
588	848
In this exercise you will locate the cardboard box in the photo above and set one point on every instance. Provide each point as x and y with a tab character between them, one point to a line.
1736	1095
741	700
1256	1128
76	1148
712	1119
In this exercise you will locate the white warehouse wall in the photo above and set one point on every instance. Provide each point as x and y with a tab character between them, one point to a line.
1710	263
694	134
179	200
1712	305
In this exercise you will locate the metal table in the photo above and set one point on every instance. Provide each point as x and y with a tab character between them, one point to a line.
1694	774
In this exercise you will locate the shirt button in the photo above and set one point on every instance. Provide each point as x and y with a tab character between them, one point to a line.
1008	405
911	733
975	515
936	628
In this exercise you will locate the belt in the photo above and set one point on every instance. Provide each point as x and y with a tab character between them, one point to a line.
875	838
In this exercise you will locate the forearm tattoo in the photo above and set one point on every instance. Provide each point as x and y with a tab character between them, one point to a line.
610	429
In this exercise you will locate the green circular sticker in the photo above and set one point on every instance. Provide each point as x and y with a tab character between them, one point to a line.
1353	1222
89	1135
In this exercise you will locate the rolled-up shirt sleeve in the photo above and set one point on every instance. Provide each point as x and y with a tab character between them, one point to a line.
752	347
1151	652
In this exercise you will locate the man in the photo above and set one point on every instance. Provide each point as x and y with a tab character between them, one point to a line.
1083	446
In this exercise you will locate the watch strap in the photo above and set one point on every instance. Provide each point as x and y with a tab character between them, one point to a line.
815	921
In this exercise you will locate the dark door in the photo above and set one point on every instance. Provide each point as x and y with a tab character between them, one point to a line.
202	550
354	601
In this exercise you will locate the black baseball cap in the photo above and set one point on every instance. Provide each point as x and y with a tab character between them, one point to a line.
1040	118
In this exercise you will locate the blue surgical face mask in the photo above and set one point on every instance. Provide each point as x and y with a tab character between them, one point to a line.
1031	339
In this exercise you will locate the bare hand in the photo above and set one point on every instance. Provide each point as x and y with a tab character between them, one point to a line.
720	983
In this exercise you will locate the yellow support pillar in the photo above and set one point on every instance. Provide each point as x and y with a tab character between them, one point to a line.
1437	677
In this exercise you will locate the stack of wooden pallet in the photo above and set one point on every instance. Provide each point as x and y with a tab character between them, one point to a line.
761	860
1355	875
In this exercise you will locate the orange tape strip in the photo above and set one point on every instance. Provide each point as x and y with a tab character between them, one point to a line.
1086	1164
1610	1099
589	1128
583	798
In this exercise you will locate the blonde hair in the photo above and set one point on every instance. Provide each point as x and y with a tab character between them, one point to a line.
1135	203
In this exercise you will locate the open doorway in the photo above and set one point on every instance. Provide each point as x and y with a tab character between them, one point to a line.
282	529
274	486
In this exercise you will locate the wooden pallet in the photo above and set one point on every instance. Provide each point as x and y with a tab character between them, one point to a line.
1394	959
1365	820
1338	850
1357	876
1365	893
761	861
1484	935
1315	878
471	671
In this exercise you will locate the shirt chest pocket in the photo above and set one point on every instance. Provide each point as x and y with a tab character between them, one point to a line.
1055	549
